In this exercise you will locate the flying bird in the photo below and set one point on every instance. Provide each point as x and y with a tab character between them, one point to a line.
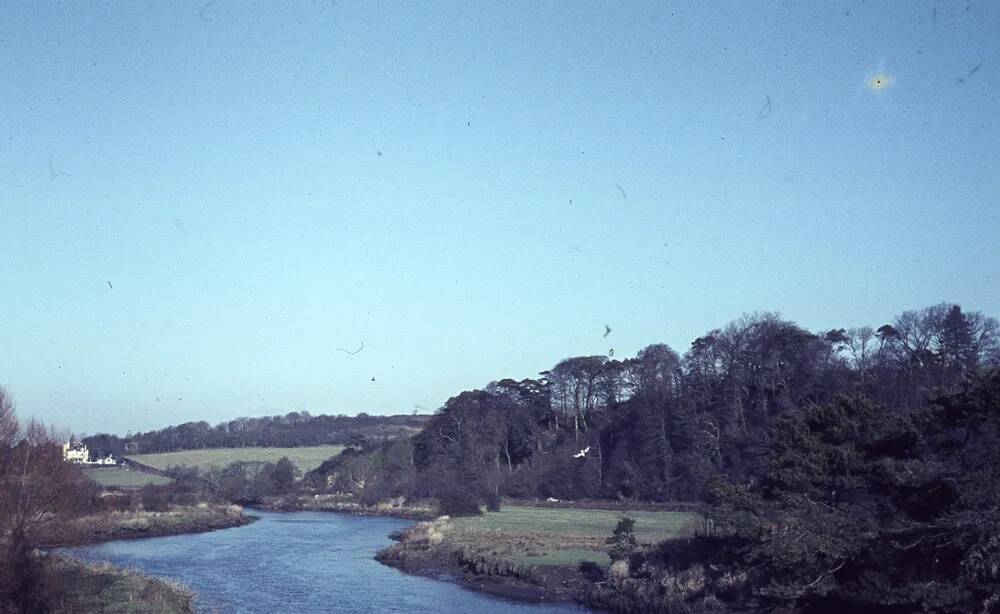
354	352
110	286
582	452
607	330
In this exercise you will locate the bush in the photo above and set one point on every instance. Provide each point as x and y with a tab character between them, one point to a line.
492	502
159	498
622	541
459	501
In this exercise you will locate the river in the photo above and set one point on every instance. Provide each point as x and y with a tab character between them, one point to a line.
297	562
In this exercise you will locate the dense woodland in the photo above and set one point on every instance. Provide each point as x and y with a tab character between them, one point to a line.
660	426
859	509
291	430
852	470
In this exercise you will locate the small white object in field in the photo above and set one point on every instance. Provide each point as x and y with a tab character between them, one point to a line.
582	452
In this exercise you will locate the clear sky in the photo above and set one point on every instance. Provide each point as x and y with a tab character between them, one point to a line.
201	202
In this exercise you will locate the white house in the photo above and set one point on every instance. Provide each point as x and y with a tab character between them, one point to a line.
75	452
107	460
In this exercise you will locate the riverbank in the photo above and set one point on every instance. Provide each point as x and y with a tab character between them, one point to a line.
345	505
72	587
523	552
423	550
69	585
116	525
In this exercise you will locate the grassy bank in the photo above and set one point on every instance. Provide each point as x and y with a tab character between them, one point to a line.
347	505
78	587
74	587
138	524
524	552
305	458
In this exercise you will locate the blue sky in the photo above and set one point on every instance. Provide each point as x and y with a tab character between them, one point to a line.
200	202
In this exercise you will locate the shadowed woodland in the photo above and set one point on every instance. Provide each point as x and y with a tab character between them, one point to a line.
853	469
659	426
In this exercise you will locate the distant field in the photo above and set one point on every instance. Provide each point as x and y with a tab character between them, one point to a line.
305	459
124	478
548	536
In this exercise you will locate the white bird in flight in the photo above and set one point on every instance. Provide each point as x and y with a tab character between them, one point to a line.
582	452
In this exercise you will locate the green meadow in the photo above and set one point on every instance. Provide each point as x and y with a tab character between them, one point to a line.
305	458
123	478
559	536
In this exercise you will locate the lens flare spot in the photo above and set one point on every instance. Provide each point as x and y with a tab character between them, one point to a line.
879	82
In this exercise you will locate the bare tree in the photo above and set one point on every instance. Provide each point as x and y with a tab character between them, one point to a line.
8	421
860	344
575	389
37	490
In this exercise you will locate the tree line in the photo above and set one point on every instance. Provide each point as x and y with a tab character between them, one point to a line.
293	429
849	470
660	426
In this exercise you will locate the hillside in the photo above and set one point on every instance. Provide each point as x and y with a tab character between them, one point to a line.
295	429
305	458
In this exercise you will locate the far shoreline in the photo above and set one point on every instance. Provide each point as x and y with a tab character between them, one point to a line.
129	525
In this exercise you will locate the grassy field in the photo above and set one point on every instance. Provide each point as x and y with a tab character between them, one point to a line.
650	527
547	536
305	459
124	478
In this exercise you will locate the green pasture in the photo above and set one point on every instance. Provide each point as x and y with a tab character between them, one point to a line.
305	458
650	527
123	478
558	536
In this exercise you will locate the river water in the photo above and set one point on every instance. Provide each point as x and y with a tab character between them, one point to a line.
297	562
